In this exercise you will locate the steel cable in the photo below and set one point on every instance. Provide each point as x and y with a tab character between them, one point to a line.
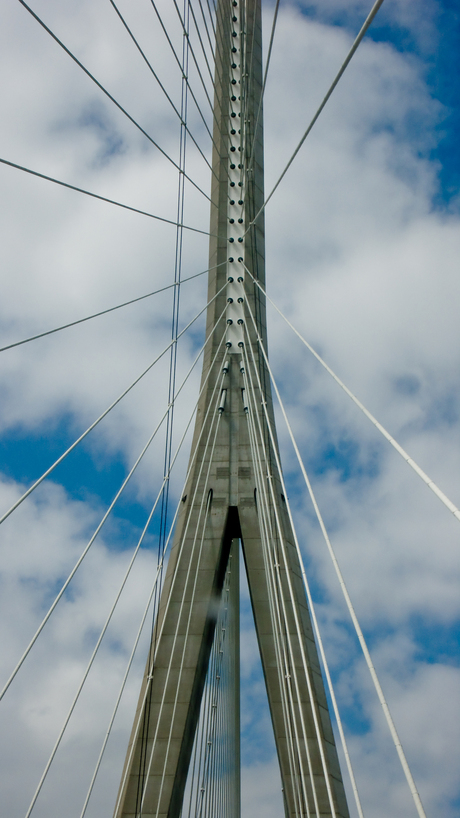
104	629
199	70
192	51
210	40
109	96
427	480
204	504
382	700
201	42
314	619
153	72
344	65
316	715
89	544
280	623
101	198
149	677
198	107
103	415
262	475
159	567
110	309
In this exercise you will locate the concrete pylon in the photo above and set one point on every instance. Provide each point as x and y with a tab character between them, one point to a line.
222	501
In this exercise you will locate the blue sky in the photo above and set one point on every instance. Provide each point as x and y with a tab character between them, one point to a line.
362	254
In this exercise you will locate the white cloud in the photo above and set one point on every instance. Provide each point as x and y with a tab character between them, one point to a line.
366	268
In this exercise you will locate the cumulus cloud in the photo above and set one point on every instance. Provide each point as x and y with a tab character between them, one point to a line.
361	254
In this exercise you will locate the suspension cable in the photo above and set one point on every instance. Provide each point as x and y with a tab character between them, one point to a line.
171	529
198	68
117	703
212	728
316	717
103	415
176	292
198	107
159	566
93	656
201	41
293	669
279	625
102	522
142	787
207	744
186	34
427	480
211	45
110	309
359	633
312	610
211	15
88	667
149	675
350	54
100	198
204	503
152	70
283	645
109	96
259	108
282	661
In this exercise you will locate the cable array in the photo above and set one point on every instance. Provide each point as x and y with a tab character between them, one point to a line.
218	761
112	99
100	198
154	590
104	519
283	611
427	480
386	711
154	587
332	87
149	743
178	113
212	787
101	417
104	312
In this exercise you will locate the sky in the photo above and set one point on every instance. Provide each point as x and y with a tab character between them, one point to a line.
362	247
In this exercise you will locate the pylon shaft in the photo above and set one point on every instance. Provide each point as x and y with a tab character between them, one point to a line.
233	492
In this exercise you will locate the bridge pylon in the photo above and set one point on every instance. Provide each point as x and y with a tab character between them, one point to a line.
234	494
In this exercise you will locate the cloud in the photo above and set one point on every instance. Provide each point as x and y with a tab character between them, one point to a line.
362	256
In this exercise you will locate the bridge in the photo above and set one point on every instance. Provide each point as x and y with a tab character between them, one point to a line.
146	513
